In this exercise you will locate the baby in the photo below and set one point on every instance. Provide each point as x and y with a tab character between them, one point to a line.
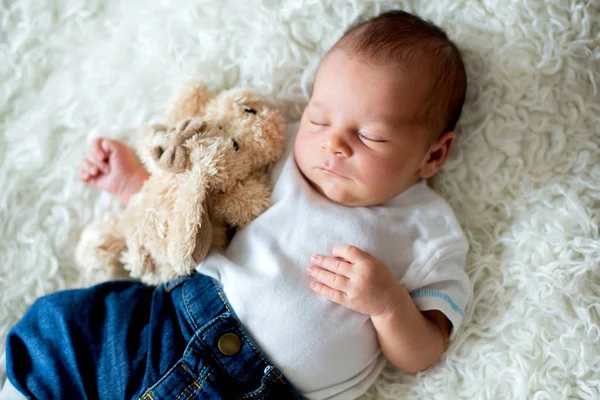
356	262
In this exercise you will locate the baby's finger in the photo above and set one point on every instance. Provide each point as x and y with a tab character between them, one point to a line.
100	165
83	175
330	279
329	293
111	146
335	265
350	253
97	156
90	167
97	151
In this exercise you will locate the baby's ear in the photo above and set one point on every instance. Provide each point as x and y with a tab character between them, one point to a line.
188	101
436	156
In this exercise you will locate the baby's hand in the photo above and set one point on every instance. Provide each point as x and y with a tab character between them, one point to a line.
355	279
111	165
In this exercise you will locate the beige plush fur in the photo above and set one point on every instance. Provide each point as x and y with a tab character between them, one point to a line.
208	170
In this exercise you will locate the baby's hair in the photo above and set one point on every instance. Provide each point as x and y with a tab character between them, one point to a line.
400	38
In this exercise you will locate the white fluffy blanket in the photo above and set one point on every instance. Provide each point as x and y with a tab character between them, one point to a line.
524	177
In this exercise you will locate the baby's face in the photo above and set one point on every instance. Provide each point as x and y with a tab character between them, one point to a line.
359	142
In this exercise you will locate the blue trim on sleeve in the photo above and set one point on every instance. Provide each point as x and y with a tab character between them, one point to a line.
440	295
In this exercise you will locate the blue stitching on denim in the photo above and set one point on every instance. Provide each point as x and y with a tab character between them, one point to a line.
439	295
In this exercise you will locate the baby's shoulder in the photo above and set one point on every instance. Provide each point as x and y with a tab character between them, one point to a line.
433	217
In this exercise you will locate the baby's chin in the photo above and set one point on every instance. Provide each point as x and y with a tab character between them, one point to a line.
354	195
340	194
340	191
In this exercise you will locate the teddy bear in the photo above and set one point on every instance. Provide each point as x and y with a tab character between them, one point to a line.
208	169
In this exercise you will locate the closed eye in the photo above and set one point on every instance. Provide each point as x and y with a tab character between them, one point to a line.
250	110
372	139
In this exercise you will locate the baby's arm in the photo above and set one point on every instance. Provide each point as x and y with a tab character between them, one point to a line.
111	165
409	339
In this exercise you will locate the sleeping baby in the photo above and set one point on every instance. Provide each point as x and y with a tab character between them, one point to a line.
356	263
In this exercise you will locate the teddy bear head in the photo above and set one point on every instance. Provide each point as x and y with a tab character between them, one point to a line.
232	135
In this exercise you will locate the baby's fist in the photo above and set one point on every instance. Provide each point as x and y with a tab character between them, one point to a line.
109	165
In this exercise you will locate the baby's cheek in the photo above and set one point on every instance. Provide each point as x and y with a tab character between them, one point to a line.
380	177
303	155
300	153
369	170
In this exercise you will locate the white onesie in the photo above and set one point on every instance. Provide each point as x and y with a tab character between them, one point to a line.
326	350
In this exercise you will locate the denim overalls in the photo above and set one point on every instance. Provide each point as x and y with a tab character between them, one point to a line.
124	340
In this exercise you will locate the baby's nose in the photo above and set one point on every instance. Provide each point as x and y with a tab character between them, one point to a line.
336	146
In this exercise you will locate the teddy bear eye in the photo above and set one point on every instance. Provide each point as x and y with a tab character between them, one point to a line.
236	146
250	110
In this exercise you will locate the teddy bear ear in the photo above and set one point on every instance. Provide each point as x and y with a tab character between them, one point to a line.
188	101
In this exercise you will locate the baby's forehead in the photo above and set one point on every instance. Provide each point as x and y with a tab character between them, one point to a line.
382	91
414	70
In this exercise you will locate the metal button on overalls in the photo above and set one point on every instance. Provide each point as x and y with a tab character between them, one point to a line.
229	344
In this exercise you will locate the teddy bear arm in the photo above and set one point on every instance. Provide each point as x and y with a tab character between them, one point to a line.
245	201
190	230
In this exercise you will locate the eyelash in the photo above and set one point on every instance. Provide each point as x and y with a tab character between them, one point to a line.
372	140
359	134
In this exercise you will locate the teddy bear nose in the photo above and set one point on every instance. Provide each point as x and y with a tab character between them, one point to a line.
187	128
174	159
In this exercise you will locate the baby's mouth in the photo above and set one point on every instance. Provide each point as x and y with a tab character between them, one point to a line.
329	171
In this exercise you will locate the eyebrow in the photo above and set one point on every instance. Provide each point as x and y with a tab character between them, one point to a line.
388	121
382	120
319	104
396	120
